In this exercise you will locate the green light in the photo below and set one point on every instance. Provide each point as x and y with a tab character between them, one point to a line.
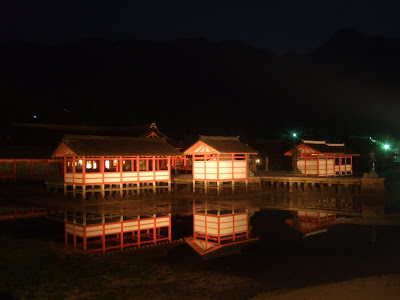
386	146
294	134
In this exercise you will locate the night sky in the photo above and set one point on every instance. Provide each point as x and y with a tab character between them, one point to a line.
301	69
278	26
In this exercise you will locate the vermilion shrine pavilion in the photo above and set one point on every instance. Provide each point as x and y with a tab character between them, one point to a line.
318	158
103	163
217	159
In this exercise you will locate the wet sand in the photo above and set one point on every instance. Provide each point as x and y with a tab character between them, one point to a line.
373	288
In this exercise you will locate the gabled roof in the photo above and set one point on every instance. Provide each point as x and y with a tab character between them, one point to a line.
89	145
322	147
222	145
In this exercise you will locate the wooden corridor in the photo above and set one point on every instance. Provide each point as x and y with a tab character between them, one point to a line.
290	183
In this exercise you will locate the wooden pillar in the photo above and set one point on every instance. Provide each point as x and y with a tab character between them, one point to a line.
73	169
326	165
103	237
194	222
233	186
351	164
247	185
153	161
138	168
218	166
205	224
121	185
205	169
233	225
155	229
205	187
138	234
84	177
84	231
103	192
121	238
233	166
74	222
219	226
169	174
218	187
65	172
247	223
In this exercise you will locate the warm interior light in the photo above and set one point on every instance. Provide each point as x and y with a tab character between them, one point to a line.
94	164
89	164
258	160
107	164
115	161
80	161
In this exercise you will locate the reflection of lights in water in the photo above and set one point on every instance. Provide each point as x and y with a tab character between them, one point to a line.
258	160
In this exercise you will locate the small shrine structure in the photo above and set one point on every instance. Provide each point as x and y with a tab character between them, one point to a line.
104	163
319	158
219	230
217	160
101	232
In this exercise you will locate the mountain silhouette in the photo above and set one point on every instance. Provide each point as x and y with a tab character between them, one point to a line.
195	86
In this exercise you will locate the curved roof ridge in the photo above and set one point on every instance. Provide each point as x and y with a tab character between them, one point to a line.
103	137
218	137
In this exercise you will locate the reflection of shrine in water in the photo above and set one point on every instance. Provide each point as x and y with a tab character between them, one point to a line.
101	232
310	222
222	230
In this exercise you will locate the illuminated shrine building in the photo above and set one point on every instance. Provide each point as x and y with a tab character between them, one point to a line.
219	231
103	163
318	158
219	159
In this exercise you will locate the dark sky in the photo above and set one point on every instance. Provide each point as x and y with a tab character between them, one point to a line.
278	26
